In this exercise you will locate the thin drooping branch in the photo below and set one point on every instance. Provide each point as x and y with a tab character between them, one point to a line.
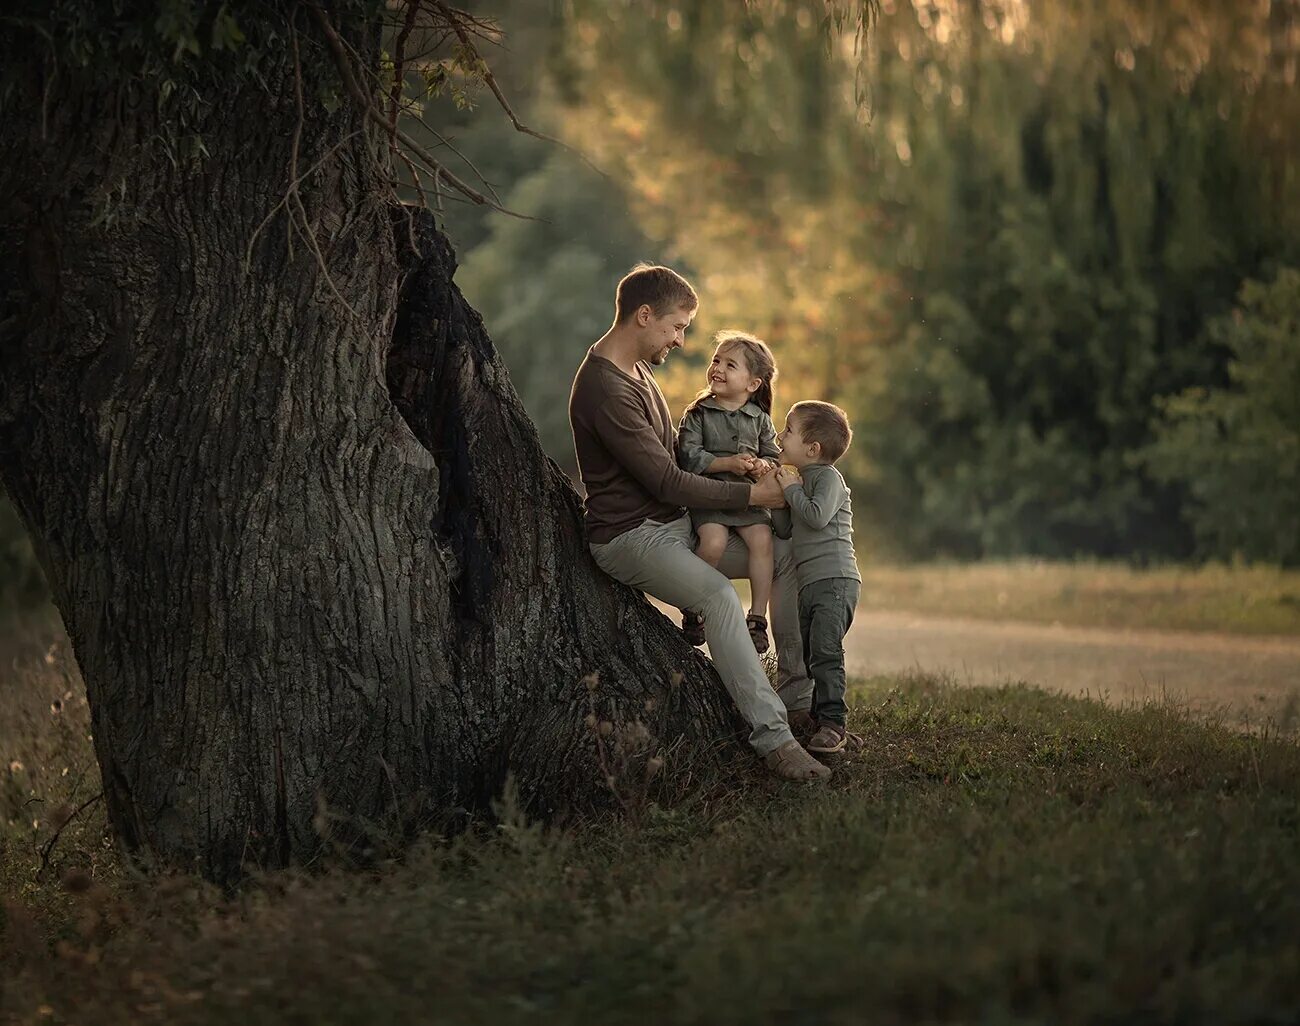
409	106
417	151
458	25
399	56
47	849
309	233
294	184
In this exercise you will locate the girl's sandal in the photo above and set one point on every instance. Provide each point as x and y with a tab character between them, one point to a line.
693	627
758	632
830	738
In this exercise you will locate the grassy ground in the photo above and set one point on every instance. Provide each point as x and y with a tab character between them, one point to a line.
994	856
1245	600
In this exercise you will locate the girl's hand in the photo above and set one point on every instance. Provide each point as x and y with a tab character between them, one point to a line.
738	464
761	469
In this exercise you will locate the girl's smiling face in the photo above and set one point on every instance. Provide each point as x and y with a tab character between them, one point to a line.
729	375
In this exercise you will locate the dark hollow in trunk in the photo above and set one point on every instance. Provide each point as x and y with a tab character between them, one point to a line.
315	567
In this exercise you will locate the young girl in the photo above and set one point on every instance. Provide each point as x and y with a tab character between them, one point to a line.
727	433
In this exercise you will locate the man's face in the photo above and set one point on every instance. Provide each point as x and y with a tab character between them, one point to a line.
661	335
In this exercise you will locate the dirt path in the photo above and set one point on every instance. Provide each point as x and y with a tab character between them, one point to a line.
1251	677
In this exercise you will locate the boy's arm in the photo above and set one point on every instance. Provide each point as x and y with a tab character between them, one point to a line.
627	434
816	502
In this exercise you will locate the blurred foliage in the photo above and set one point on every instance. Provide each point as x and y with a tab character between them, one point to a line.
547	286
21	582
995	236
1236	449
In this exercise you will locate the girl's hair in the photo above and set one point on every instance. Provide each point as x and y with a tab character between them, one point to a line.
759	360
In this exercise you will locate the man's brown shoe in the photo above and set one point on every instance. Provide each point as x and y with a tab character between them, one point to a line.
791	762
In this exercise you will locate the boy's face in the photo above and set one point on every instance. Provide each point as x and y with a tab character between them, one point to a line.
794	450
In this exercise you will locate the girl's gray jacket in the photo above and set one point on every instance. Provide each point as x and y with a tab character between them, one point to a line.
709	429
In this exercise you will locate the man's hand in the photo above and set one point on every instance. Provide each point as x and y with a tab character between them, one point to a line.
767	492
786	477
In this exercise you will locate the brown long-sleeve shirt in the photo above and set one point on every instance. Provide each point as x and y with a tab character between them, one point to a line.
625	441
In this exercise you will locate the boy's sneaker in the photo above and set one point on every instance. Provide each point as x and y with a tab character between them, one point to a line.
791	762
829	739
693	627
757	624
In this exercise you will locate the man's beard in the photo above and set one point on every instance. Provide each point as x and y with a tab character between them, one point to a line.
660	356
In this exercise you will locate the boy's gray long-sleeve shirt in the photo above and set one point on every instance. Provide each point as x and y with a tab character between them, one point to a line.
820	520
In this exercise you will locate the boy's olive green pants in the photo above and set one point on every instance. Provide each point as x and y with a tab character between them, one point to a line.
825	615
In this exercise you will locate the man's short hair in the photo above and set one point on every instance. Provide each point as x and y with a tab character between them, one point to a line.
823	423
660	288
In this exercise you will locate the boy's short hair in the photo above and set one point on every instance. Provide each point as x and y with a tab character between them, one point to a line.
823	423
660	288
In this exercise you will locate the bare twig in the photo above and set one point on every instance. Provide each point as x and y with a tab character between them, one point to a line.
309	233
297	127
418	153
248	251
399	53
425	125
47	849
398	70
458	25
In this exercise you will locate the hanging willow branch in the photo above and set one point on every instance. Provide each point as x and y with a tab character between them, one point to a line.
414	150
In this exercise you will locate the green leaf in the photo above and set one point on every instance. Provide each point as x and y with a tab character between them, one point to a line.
226	33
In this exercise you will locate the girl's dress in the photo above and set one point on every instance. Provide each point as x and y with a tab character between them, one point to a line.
710	430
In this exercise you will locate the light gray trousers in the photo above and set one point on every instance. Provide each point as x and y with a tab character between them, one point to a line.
660	559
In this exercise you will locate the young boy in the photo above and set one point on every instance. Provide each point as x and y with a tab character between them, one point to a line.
820	519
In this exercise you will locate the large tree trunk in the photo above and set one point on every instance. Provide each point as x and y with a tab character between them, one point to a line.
307	582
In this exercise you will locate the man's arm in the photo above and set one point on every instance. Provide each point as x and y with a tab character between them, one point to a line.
625	432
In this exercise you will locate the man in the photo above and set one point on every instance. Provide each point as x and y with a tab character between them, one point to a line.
638	528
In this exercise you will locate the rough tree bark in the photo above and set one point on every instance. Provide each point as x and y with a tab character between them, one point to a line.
313	562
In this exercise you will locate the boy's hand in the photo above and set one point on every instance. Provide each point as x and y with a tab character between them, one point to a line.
786	477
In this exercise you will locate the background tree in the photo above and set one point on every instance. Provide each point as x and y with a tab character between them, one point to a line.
1236	450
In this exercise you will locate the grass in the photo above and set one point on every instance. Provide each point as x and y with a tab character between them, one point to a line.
1240	600
994	855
